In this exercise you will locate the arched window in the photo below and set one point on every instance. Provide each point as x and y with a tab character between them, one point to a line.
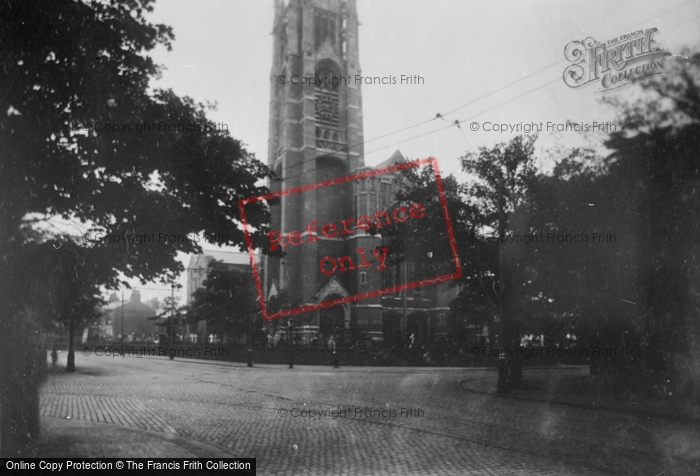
327	98
324	26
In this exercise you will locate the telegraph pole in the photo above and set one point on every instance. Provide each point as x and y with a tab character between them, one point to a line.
171	330
289	343
404	317
122	333
503	385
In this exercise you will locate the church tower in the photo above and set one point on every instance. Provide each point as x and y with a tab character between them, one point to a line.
315	135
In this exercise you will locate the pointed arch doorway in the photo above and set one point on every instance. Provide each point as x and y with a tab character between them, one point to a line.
333	320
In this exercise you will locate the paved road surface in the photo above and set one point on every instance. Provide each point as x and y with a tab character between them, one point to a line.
388	420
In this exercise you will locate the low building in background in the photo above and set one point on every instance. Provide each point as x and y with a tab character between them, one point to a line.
130	320
197	273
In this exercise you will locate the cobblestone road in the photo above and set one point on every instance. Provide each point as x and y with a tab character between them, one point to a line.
449	430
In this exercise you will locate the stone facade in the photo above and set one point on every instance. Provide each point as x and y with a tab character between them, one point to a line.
198	267
316	135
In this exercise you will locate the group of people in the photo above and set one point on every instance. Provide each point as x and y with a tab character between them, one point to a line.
331	344
273	340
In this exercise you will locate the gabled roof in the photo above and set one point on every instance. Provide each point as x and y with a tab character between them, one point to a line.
333	286
112	305
396	157
228	257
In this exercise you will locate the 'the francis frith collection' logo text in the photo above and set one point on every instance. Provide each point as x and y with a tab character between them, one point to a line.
615	62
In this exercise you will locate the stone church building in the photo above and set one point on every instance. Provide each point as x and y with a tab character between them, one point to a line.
316	135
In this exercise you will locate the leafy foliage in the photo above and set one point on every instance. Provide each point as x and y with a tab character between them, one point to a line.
71	67
634	293
227	302
502	174
506	167
425	241
70	71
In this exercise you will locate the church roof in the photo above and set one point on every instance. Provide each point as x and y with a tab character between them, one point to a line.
396	158
228	257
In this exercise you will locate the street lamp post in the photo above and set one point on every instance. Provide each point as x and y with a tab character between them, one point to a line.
504	380
404	317
122	334
290	325
171	328
250	341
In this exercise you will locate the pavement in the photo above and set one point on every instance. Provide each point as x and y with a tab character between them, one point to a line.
444	420
571	385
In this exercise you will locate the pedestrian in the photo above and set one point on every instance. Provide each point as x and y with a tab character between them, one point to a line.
336	363
331	343
54	356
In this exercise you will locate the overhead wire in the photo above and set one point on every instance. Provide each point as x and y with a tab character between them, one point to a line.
453	124
442	115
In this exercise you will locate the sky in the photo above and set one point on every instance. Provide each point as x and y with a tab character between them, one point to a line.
489	62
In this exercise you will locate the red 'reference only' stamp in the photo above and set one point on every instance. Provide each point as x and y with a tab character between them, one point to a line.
316	243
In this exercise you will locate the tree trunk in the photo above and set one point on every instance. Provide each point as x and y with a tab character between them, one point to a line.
22	370
250	342
171	338
70	366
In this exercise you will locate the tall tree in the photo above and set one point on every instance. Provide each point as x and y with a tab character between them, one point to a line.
227	301
655	157
502	176
80	296
426	245
635	293
500	173
174	318
425	241
580	267
69	71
